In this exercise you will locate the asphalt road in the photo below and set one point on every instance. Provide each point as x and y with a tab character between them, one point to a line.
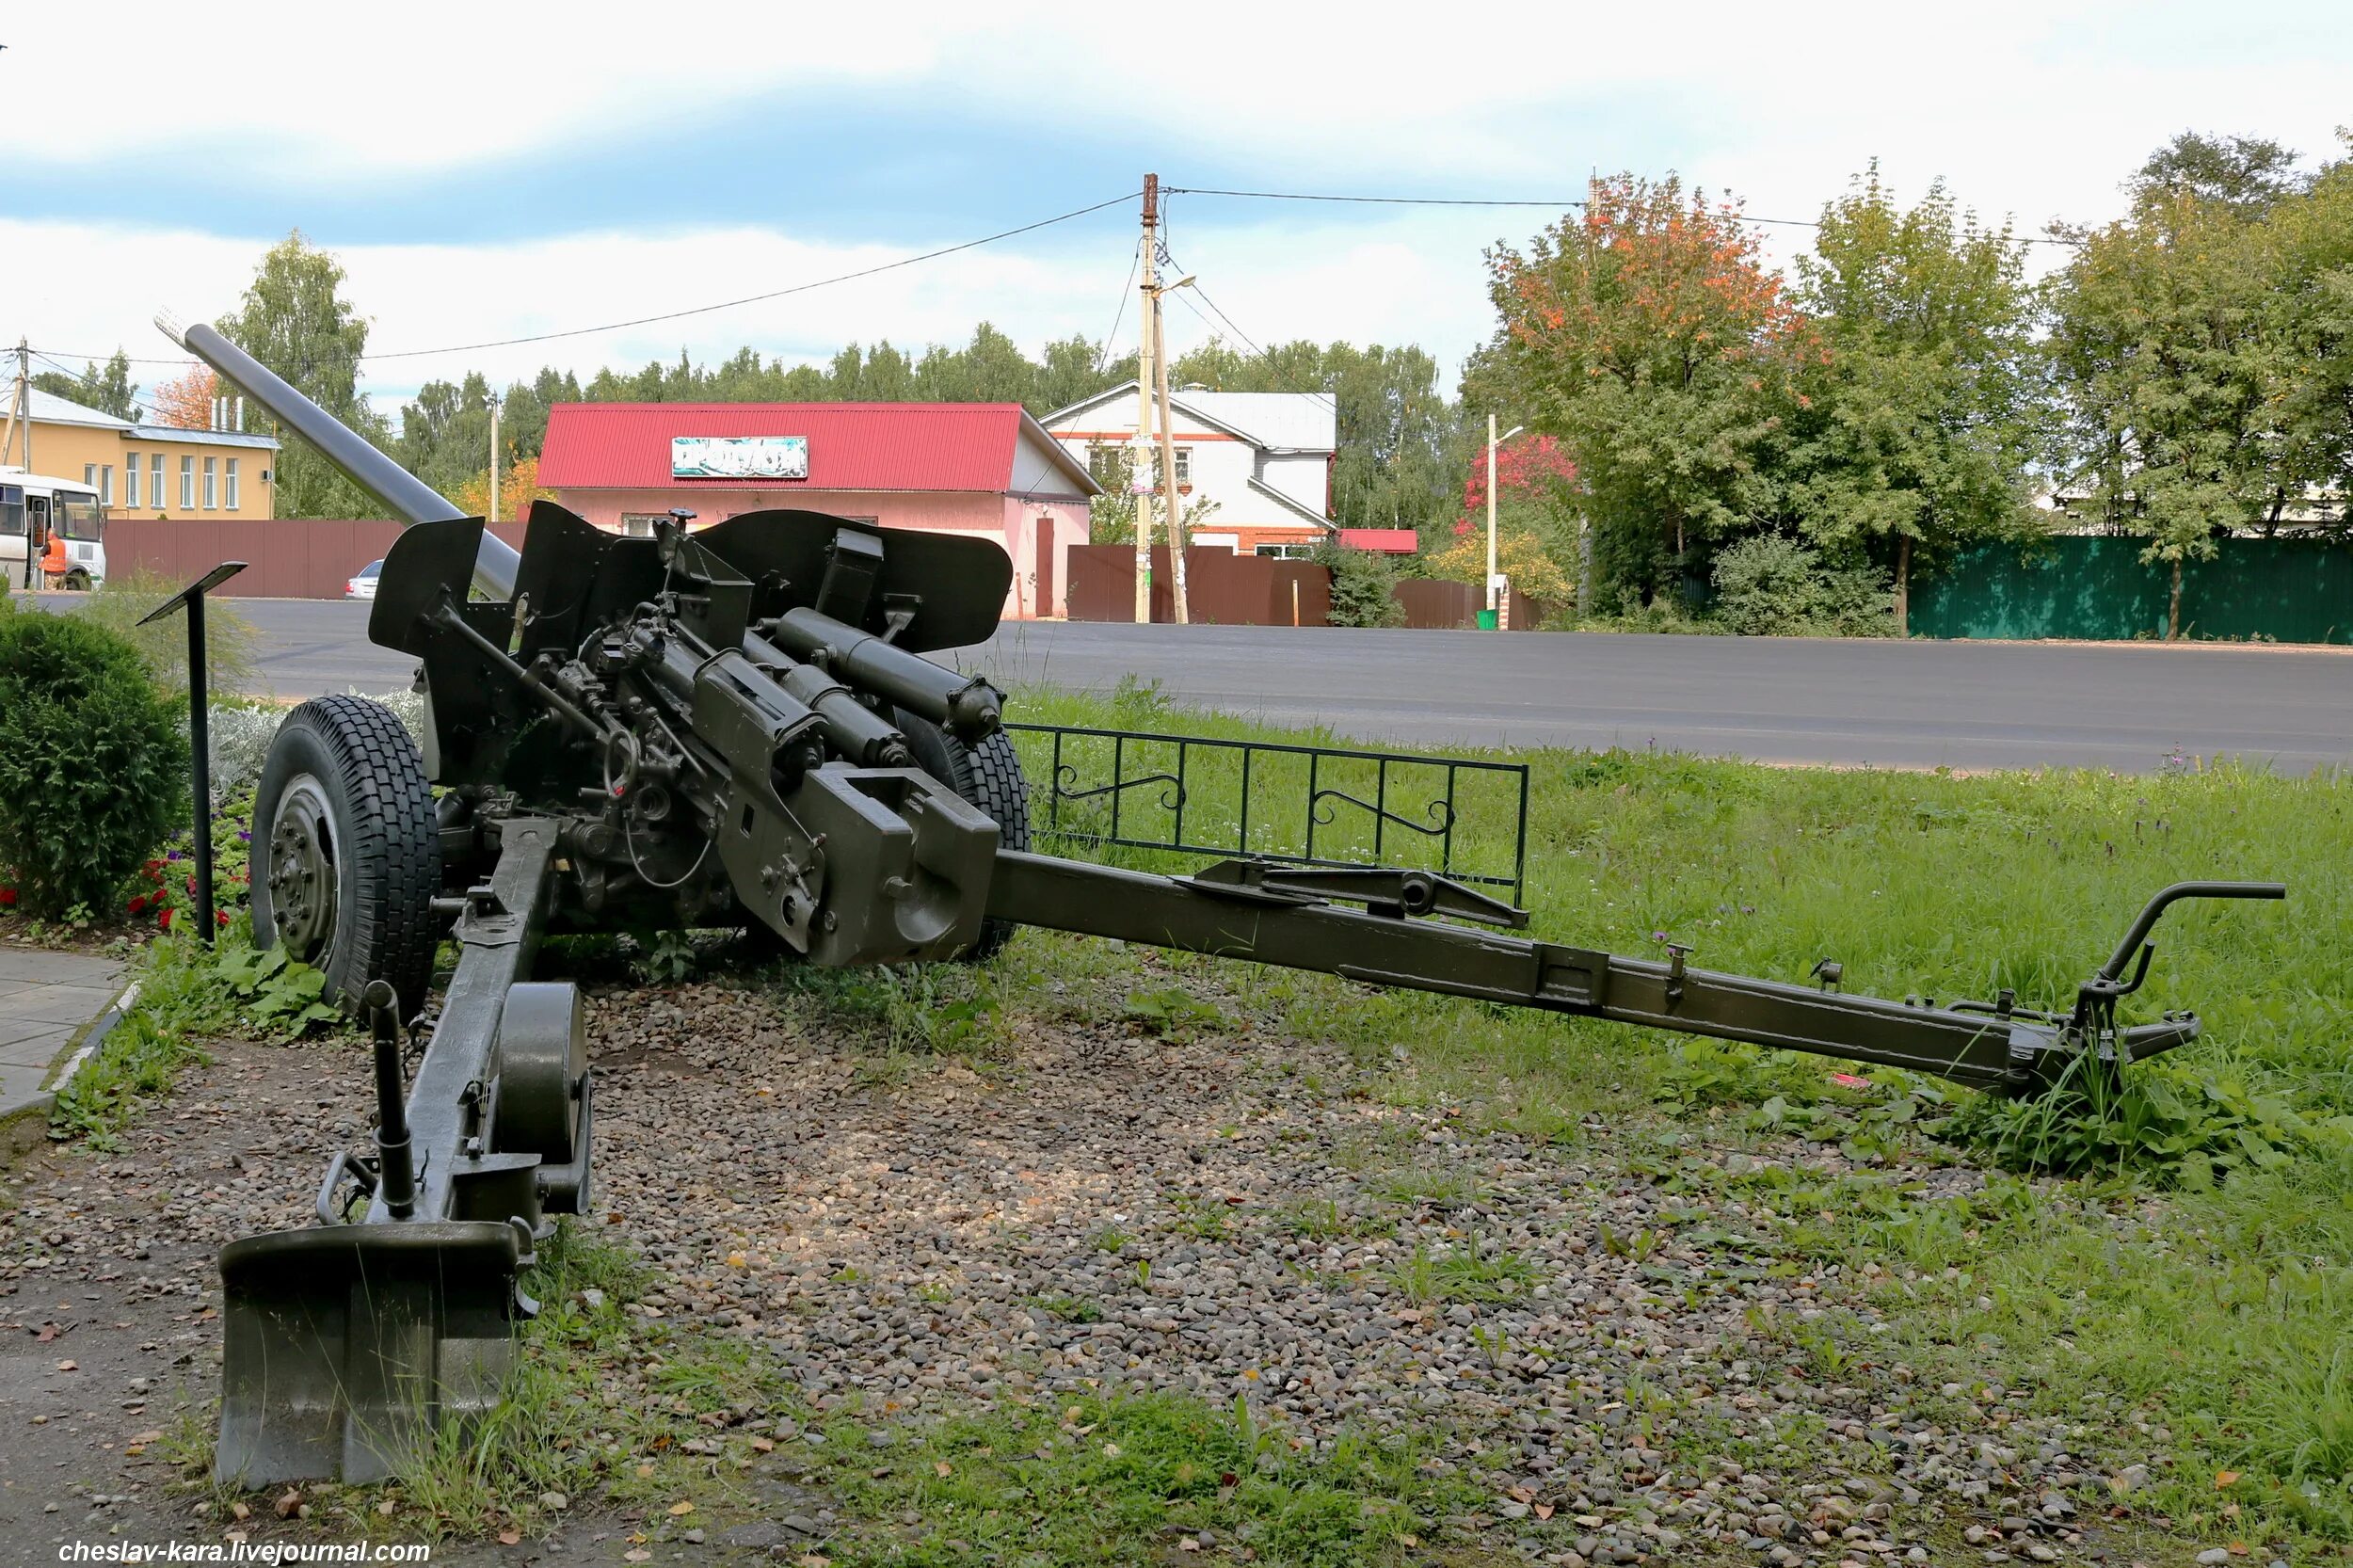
1915	704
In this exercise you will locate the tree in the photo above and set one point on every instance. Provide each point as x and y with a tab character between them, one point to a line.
295	320
186	402
1915	428
518	487
106	388
2246	174
1649	337
1536	522
2169	343
2313	231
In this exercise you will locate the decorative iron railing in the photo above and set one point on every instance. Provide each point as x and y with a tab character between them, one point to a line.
1311	806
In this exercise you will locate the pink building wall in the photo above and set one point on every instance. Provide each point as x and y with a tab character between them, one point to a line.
1009	520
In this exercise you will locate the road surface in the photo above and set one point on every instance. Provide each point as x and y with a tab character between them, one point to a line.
1799	700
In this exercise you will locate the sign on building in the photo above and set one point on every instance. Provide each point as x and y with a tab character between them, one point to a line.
738	456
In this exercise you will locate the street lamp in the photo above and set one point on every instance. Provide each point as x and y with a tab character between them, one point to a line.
1493	440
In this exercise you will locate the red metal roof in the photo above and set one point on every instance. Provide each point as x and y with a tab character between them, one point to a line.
1388	541
851	446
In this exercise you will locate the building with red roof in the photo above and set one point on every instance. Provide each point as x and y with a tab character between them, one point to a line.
950	467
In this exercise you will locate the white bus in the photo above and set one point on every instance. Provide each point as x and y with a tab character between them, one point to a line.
52	527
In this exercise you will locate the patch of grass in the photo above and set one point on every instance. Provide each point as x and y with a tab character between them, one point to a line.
1437	1186
1324	1220
1467	1273
601	1407
187	993
922	1009
181	1002
1171	1011
1121	1480
1068	1309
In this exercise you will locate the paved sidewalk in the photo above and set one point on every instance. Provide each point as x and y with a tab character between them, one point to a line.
48	1001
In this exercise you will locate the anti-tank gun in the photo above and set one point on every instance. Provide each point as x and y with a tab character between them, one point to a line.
737	725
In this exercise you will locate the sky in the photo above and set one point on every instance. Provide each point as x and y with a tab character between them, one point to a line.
487	173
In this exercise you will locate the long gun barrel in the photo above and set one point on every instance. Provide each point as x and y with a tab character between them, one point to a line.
410	498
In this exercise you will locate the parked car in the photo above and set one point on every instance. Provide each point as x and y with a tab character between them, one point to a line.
362	585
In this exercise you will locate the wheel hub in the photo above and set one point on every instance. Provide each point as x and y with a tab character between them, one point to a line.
302	884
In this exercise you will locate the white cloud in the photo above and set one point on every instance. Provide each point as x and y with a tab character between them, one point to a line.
2028	109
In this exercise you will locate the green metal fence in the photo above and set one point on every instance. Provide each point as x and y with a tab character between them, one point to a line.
2284	590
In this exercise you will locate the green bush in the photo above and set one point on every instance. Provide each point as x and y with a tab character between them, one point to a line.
1361	586
1768	586
93	766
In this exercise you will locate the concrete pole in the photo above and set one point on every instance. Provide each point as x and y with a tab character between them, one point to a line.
1149	268
25	407
1173	503
494	457
1491	511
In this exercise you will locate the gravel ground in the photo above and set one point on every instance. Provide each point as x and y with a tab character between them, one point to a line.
1099	1207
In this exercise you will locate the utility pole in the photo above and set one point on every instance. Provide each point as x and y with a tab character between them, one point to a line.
494	457
16	406
1149	268
25	413
1172	504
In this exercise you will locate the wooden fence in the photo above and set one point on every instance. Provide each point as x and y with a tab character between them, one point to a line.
1221	589
285	557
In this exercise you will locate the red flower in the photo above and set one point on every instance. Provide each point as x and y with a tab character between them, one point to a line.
139	904
7	898
163	921
221	917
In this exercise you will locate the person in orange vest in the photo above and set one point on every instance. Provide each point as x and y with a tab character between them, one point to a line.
53	561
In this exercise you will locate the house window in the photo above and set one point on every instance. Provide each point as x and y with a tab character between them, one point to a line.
89	474
156	481
639	525
1184	465
187	484
107	485
230	499
210	486
1105	461
131	479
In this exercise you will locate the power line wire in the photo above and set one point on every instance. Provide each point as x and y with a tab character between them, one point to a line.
1502	202
1103	358
679	314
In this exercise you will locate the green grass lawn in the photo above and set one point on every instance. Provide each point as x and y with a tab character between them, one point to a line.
2188	1291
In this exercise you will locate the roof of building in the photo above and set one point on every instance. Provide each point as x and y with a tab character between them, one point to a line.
200	438
49	409
851	446
1383	542
1277	422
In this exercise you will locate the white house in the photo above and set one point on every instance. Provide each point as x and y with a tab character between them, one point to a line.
1264	458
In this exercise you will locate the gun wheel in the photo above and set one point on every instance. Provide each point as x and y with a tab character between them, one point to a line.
987	775
347	854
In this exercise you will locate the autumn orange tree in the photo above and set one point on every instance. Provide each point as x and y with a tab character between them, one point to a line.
186	403
1648	335
518	487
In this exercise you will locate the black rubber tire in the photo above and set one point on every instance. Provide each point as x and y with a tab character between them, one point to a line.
383	838
987	775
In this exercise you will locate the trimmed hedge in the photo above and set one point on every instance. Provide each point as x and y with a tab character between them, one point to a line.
93	764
